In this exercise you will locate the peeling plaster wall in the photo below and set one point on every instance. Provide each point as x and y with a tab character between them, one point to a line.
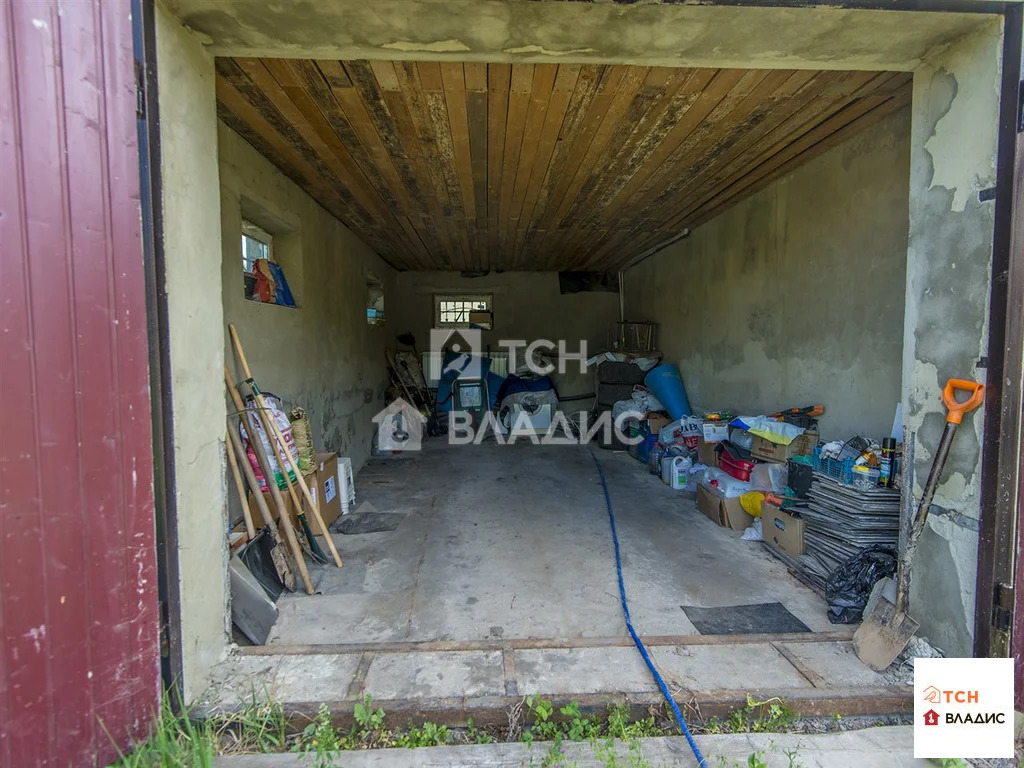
527	305
322	355
795	295
953	157
191	216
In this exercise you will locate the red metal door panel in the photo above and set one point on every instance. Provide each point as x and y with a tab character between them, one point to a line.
78	601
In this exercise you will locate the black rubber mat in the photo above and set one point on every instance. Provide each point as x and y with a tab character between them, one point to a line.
758	619
368	522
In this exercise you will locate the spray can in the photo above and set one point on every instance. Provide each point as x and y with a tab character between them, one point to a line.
887	466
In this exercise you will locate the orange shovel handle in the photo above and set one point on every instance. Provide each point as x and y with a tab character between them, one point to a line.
956	409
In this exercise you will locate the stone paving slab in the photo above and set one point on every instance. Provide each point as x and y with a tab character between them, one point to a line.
890	747
836	663
436	675
418	675
730	667
582	670
315	678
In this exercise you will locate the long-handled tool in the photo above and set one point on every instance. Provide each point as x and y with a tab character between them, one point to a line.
279	445
410	393
272	430
275	494
278	552
267	419
256	554
252	428
887	627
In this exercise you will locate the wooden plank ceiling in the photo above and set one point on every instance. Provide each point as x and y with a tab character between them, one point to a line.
537	166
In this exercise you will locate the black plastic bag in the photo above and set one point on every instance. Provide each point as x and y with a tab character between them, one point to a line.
849	585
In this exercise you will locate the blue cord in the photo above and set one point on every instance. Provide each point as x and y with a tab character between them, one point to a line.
632	632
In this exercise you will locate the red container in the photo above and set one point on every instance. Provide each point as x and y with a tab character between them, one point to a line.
738	468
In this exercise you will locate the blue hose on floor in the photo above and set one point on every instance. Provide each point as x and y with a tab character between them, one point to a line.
632	632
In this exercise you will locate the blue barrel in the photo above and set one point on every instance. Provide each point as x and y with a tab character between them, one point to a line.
667	385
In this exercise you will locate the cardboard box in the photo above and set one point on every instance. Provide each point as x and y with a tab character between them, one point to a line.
706	452
728	513
323	487
766	450
716	431
782	529
655	421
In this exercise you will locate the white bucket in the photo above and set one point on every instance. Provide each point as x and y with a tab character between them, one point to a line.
675	471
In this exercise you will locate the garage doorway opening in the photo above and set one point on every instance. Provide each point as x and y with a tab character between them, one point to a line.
757	217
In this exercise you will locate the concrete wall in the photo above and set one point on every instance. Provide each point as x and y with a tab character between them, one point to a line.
527	305
956	102
191	214
651	33
321	355
795	295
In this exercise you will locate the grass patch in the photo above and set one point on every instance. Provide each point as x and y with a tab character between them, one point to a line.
175	740
769	716
262	726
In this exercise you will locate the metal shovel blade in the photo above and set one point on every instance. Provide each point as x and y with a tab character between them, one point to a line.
251	610
884	633
258	555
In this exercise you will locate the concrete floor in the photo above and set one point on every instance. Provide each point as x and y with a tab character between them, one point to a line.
513	542
500	581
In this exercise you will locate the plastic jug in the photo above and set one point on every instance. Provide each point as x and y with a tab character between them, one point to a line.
675	471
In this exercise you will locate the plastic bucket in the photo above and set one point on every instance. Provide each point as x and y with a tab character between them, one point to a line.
666	383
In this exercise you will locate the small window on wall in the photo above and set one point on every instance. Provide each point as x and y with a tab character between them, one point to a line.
264	279
374	301
463	311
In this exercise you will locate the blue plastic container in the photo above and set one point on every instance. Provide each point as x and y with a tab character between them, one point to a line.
667	385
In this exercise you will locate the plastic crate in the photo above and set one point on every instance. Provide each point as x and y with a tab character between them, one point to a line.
834	468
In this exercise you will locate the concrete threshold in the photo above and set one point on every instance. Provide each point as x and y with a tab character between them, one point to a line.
888	747
818	675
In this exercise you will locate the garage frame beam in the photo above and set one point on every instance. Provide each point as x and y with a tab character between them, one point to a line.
1000	466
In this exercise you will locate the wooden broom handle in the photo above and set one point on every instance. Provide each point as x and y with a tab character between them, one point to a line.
254	486
246	512
285	570
269	421
286	522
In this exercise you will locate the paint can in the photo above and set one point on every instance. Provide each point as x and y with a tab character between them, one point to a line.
887	465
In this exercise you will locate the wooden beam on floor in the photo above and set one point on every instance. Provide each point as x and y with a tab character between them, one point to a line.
532	643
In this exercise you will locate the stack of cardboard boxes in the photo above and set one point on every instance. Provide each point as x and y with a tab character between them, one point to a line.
780	528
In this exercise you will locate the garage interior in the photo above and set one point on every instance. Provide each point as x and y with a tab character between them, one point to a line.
474	179
758	215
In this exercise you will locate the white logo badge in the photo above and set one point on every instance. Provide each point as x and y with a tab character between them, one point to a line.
463	345
399	427
963	708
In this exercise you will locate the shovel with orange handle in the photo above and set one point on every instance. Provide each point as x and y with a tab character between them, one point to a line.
887	627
